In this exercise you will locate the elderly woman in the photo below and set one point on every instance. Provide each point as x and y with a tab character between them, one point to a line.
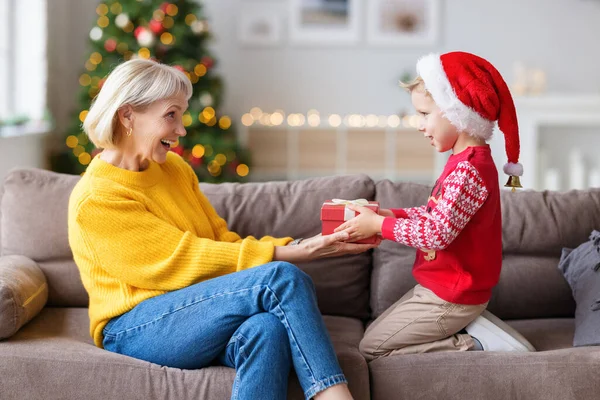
168	282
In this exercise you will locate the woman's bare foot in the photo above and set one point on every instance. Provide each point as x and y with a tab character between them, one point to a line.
336	392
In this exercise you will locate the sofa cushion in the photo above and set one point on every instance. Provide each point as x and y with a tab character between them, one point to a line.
535	227
546	334
33	223
531	286
542	223
23	293
581	268
293	209
559	372
53	358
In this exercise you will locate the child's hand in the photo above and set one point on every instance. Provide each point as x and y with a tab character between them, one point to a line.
363	226
385	212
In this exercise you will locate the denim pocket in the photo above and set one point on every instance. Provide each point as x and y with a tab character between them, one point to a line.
108	327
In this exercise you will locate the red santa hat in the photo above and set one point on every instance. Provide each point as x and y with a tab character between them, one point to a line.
473	95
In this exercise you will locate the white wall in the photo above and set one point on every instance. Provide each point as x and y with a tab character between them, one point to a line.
23	151
69	24
557	35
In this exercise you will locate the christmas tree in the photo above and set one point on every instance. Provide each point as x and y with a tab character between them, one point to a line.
174	33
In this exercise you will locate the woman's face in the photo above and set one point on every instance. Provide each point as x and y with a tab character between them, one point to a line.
154	129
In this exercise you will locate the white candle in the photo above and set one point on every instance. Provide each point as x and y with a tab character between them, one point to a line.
552	179
594	178
576	170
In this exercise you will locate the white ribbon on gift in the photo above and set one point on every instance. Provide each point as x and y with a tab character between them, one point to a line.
348	213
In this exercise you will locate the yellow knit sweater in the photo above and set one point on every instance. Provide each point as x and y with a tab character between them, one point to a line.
137	235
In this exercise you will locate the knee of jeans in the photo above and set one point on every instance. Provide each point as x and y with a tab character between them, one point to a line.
274	328
291	272
270	329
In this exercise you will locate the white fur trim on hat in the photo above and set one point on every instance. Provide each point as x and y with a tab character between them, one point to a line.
464	118
513	169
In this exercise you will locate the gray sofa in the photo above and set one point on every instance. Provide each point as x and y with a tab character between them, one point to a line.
52	356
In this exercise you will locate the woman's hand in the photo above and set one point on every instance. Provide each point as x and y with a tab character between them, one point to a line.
364	225
319	246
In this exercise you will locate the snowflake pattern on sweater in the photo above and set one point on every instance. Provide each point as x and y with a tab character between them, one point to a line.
463	193
415	212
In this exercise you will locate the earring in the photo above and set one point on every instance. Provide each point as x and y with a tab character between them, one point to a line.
129	132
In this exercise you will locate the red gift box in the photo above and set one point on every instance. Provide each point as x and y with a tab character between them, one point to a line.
334	213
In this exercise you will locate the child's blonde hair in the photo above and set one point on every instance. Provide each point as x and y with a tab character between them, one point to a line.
416	84
138	83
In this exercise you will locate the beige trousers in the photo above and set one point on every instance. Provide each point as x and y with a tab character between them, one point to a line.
420	322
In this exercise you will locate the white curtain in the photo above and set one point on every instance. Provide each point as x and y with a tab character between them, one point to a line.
4	57
23	64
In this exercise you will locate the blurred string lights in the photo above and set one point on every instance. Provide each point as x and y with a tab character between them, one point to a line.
314	119
147	40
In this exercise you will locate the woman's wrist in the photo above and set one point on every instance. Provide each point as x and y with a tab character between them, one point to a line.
295	242
291	254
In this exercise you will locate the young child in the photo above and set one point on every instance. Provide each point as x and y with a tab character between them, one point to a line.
458	233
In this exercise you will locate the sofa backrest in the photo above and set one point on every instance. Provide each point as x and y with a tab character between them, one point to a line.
33	223
536	226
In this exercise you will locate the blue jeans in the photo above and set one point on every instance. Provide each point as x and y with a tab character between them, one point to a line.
260	321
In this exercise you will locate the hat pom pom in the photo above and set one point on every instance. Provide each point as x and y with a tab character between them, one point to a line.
513	169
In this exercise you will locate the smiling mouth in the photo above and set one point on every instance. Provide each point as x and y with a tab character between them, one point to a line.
167	144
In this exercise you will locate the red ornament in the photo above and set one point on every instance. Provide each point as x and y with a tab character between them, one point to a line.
178	150
110	45
138	30
164	6
207	61
196	162
156	26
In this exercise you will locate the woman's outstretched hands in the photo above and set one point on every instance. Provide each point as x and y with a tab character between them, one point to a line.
335	245
320	246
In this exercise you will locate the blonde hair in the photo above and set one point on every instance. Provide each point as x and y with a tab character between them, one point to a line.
138	83
415	84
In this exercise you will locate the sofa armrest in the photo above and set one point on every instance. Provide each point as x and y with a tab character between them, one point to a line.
23	293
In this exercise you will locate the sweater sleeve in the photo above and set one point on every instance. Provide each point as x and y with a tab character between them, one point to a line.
144	251
219	224
464	194
410	213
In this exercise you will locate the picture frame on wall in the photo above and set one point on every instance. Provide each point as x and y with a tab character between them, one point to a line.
324	22
403	22
260	29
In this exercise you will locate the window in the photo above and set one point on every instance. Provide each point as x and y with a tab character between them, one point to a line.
5	19
23	67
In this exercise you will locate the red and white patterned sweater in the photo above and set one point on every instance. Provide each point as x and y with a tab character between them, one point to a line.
458	234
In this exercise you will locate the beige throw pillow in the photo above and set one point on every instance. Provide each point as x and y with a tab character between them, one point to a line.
23	293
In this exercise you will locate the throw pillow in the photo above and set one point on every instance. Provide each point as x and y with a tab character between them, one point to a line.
23	293
581	270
